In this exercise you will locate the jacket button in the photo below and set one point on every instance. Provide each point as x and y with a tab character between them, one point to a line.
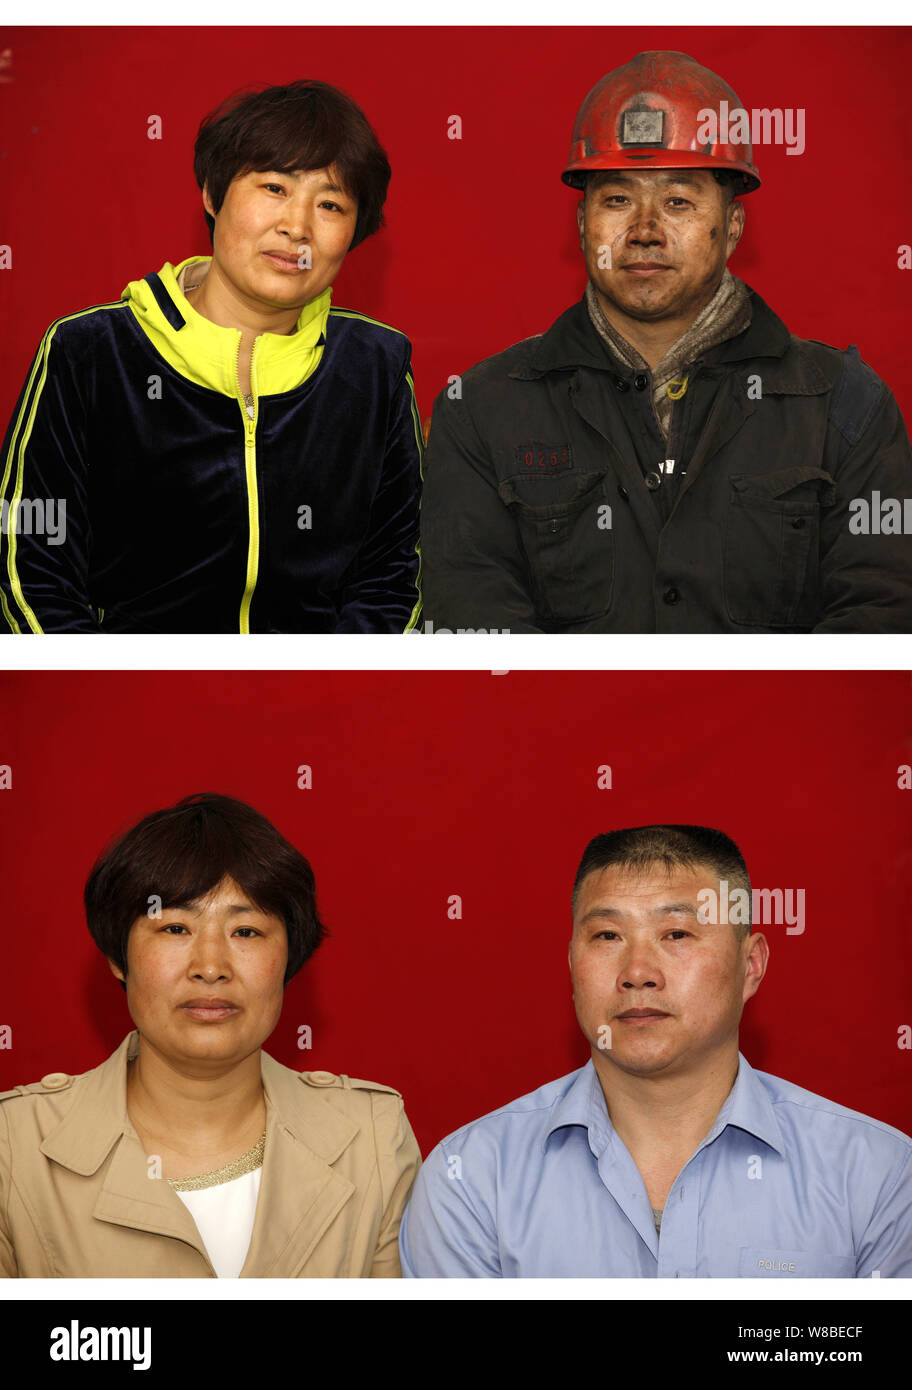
55	1080
621	384
641	381
653	481
321	1078
798	523
622	492
671	596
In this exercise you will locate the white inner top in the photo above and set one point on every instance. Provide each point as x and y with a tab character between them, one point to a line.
224	1218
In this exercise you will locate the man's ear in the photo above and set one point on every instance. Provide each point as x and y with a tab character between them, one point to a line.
756	960
207	201
735	225
580	210
115	970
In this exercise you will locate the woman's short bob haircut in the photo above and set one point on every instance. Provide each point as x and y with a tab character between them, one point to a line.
180	854
304	125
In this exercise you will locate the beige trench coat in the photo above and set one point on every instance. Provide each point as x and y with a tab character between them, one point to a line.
76	1200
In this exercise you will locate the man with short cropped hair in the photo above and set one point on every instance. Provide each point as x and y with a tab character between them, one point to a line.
667	1155
667	457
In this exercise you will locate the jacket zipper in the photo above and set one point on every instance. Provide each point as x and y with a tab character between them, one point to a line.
250	475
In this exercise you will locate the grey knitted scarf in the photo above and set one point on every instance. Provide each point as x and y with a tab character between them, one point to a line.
727	314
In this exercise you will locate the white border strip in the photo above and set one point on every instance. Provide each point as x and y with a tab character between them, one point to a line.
466	652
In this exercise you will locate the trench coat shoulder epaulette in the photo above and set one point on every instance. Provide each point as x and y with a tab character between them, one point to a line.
347	1083
52	1082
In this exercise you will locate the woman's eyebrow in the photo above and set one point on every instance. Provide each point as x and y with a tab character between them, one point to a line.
232	907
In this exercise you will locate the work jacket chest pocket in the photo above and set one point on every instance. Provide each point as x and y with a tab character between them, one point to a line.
772	546
568	543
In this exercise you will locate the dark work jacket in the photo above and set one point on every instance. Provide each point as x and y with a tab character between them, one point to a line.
544	509
182	513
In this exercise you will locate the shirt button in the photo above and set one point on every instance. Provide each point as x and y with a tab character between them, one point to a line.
653	481
621	384
641	381
321	1078
671	596
54	1080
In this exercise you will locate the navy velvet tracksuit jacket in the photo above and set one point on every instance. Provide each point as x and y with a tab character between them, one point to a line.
137	494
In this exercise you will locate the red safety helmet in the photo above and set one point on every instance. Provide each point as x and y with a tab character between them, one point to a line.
644	115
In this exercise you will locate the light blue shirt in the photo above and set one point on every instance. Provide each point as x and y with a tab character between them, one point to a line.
785	1185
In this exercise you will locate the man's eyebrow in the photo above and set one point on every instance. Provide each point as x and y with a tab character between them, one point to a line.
682	178
614	914
629	180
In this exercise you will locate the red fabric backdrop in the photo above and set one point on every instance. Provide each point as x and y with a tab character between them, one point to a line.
480	249
431	784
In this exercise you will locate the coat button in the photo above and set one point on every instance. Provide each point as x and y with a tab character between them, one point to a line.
321	1078
55	1080
641	381
671	596
622	492
653	481
621	384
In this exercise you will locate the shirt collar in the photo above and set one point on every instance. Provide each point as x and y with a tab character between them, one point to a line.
747	1106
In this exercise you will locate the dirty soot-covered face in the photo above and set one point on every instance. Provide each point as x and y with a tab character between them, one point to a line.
656	242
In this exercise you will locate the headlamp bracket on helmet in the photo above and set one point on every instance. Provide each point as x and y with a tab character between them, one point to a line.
644	127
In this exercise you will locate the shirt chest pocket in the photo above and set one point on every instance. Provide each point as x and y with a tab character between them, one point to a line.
565	529
794	1264
772	545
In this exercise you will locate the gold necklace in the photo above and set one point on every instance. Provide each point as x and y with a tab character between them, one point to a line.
247	1163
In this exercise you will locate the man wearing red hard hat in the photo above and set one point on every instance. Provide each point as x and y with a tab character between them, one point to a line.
667	457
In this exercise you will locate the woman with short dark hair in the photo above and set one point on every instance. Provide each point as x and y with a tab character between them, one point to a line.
190	1152
222	450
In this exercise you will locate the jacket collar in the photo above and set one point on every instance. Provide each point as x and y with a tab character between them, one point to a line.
300	1192
747	1106
572	342
207	354
98	1115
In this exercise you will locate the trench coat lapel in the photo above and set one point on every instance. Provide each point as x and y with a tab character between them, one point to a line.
100	1123
300	1193
129	1197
